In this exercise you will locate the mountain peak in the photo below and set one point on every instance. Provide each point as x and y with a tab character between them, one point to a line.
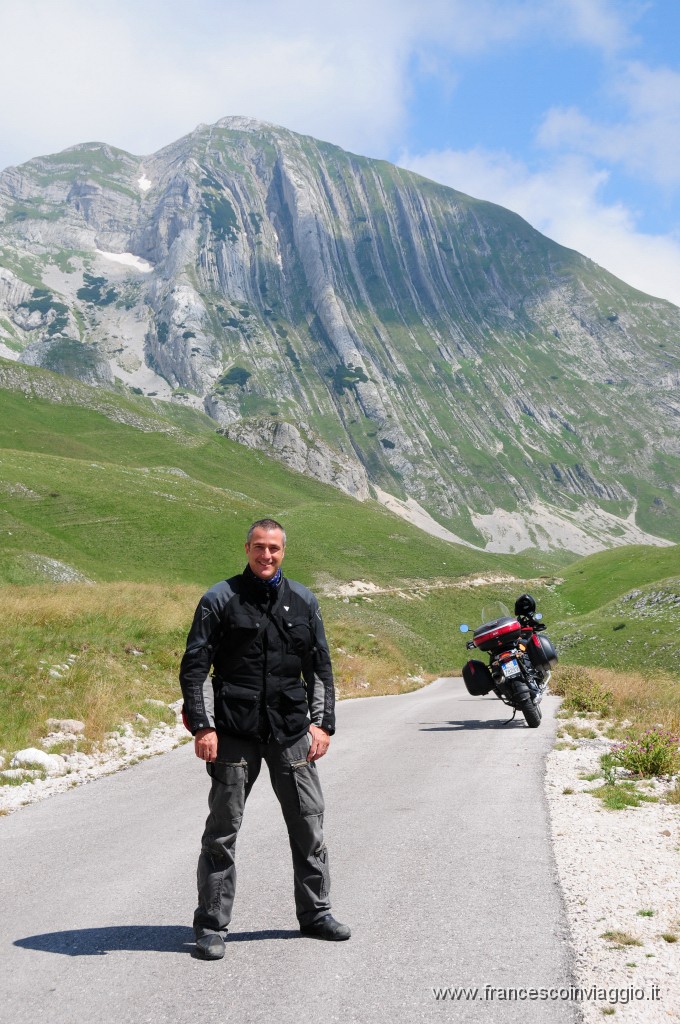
363	324
240	123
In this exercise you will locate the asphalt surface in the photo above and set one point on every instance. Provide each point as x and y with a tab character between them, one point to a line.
440	861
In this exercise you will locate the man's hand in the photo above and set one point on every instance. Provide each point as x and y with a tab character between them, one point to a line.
205	744
320	743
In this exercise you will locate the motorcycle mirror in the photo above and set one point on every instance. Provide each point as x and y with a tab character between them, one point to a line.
538	616
464	628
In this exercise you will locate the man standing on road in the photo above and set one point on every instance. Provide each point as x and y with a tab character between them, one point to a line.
263	636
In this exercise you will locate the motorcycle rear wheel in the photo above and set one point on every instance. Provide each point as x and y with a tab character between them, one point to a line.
532	713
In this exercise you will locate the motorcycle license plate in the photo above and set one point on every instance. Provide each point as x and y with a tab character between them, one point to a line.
510	668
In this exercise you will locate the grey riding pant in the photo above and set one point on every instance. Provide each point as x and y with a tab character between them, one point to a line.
296	784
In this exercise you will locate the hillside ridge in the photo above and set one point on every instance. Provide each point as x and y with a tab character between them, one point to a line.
363	324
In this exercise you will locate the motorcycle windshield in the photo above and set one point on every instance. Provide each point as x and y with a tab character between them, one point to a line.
494	610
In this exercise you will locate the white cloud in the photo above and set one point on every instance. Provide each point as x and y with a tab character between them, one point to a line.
139	75
464	27
598	22
562	202
645	141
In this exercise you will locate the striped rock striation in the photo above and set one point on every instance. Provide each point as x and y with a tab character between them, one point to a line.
366	325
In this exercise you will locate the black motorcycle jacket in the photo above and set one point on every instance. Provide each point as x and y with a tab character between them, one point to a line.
269	655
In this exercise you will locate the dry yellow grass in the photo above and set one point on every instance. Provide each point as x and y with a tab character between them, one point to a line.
153	605
370	665
126	640
91	652
357	676
644	700
121	644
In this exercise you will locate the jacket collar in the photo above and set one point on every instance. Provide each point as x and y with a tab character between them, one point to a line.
257	590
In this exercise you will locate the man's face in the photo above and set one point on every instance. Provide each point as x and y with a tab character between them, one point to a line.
265	552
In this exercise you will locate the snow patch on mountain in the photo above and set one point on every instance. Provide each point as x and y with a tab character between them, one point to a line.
128	259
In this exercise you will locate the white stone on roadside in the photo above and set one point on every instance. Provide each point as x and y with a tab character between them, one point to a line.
79	760
119	750
68	725
30	757
156	703
33	758
55	674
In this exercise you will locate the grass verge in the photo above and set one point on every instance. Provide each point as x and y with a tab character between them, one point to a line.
616	796
102	654
95	653
643	700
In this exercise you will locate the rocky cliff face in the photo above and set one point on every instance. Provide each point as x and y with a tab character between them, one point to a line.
364	324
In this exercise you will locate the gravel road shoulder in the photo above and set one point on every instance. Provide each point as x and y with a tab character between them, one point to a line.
612	866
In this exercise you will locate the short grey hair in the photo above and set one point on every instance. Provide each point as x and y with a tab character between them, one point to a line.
265	524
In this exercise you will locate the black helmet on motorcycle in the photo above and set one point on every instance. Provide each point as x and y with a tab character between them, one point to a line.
525	605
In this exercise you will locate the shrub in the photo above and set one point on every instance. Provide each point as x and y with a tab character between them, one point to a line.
609	765
236	375
580	691
95	290
579	732
653	752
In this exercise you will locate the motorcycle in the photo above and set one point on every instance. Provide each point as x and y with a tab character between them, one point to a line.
520	658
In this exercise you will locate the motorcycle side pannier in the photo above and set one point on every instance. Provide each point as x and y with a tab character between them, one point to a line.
542	654
477	678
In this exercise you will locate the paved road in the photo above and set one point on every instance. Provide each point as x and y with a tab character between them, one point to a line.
440	859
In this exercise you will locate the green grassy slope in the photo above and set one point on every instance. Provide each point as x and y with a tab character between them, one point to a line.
116	502
596	580
155	515
639	630
620	609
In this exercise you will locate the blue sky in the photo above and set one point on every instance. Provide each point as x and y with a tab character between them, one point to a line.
567	111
